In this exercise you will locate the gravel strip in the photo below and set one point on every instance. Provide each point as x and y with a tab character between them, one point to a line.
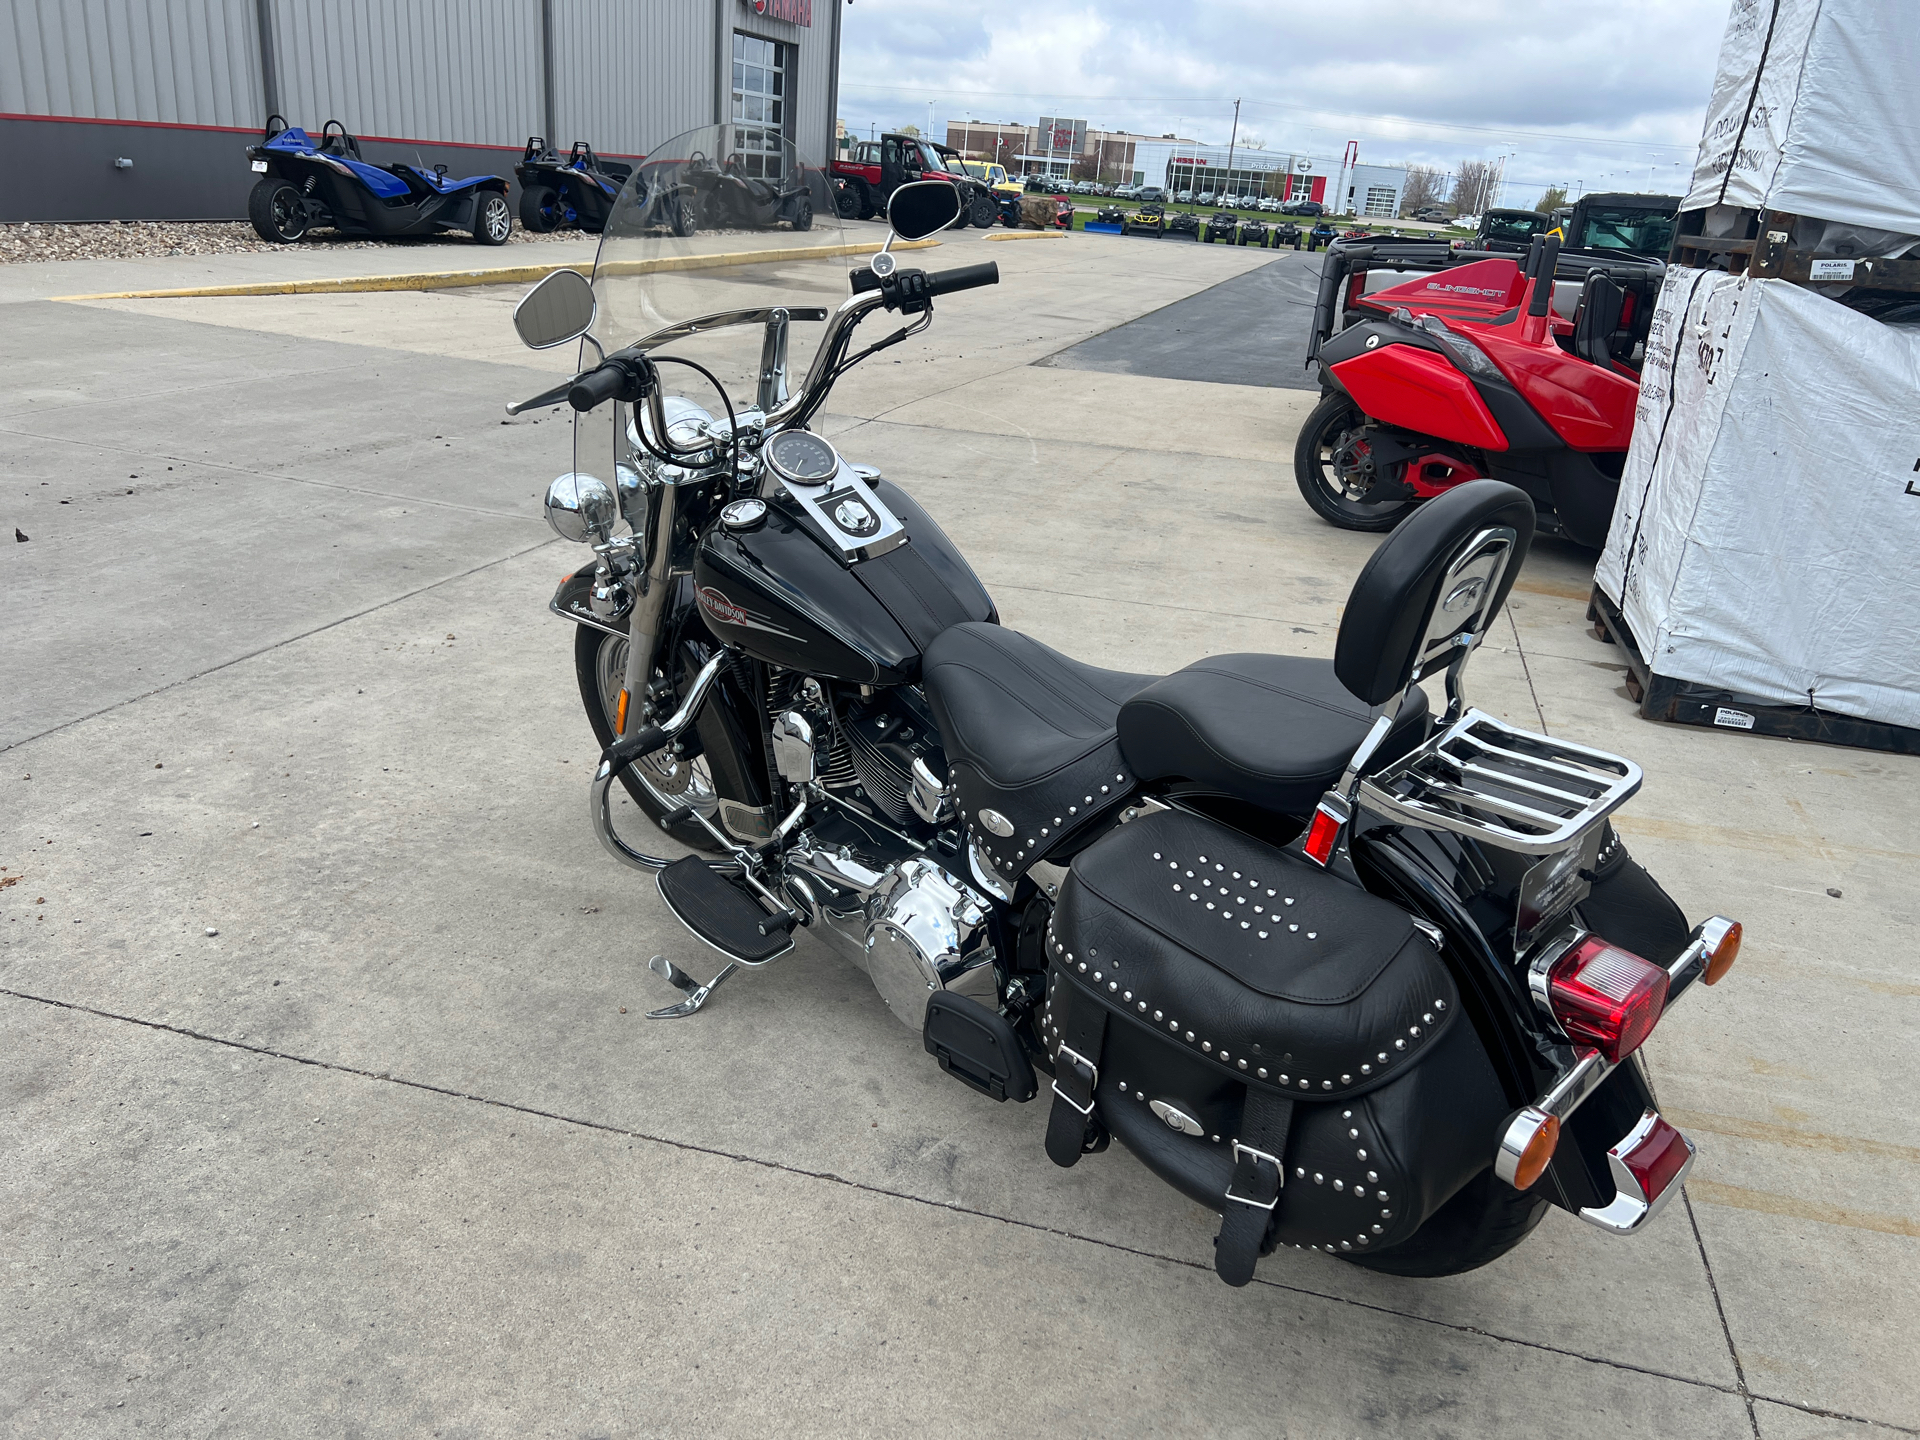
22	244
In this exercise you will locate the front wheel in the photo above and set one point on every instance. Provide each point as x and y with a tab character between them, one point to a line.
847	203
492	220
803	213
278	211
984	212
1482	1222
683	216
662	782
539	209
1334	467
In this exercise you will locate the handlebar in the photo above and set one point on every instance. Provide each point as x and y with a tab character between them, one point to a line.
598	386
967	277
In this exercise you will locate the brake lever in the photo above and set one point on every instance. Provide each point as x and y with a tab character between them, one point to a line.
546	397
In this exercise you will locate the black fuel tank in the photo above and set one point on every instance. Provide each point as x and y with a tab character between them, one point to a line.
782	595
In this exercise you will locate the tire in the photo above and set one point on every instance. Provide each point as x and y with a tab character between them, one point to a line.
803	213
683	216
1321	488
278	212
847	203
660	783
983	212
539	210
492	218
1482	1222
868	209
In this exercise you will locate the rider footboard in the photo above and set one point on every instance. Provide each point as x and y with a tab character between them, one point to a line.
1276	1043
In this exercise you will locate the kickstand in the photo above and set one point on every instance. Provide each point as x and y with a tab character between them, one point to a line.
696	993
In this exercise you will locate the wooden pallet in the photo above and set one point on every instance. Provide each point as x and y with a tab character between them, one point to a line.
1682	702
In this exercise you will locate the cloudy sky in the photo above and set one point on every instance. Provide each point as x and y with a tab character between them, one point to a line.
1603	96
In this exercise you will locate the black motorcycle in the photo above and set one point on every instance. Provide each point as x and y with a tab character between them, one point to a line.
1359	977
575	190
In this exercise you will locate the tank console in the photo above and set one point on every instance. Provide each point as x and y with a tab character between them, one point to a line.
836	497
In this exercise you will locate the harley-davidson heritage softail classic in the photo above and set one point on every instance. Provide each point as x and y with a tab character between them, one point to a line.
1362	979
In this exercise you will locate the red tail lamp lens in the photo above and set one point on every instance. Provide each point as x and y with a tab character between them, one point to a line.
1720	959
1661	1155
1608	997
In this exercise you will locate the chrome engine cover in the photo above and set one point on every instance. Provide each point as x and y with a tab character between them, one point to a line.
927	931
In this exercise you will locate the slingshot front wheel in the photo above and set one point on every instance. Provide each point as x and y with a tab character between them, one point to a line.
278	211
492	220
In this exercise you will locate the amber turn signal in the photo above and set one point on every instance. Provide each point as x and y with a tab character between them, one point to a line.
1527	1147
1721	952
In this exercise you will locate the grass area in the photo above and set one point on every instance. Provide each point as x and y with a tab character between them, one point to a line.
1085	206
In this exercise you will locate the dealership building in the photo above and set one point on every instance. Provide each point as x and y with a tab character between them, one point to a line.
136	110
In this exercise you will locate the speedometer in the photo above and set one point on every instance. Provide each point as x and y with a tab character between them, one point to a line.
801	458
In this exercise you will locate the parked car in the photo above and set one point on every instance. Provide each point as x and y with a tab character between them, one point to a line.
1221	225
1205	197
1148	219
1430	214
1269	204
1152	195
305	184
1252	232
1183	197
1303	207
557	192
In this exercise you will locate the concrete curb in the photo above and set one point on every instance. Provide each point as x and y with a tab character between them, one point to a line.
1027	235
500	275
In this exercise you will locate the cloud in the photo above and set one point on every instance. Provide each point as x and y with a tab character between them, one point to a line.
1594	95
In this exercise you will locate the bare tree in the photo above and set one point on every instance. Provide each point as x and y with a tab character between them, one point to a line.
1425	186
1473	186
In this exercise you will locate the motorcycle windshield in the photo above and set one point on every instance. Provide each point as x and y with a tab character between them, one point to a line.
723	223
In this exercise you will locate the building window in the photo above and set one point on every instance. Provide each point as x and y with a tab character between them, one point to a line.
760	102
1380	199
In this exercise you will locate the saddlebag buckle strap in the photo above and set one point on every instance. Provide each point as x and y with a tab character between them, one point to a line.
1083	1073
1253	1193
1247	1173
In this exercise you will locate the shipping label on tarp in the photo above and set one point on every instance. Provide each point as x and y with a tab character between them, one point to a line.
1769	507
1815	111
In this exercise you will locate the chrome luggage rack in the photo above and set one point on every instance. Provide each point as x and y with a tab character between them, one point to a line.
1512	788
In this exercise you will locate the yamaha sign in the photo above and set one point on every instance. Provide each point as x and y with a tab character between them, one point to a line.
795	12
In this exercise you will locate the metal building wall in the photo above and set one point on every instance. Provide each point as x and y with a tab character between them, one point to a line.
183	62
459	71
617	84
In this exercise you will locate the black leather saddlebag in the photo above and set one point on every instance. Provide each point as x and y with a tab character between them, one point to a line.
1273	1041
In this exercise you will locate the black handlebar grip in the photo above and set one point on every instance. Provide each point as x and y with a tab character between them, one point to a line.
967	277
597	387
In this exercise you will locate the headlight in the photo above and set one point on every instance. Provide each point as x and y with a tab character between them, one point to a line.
581	508
1471	357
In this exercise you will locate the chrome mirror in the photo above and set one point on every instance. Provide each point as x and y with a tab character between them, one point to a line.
560	308
923	208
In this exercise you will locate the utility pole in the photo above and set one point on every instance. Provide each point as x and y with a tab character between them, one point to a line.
1231	139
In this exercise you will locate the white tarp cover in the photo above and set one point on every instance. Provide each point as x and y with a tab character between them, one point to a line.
1767	537
1816	111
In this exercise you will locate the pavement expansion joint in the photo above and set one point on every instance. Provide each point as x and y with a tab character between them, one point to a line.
1713	1286
266	650
829	1177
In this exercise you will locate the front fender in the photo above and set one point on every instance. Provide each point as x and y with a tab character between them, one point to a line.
572	600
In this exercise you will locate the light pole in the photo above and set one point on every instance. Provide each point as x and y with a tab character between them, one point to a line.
1230	144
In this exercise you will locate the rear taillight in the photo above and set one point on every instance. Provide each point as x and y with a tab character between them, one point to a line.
1654	1154
1606	997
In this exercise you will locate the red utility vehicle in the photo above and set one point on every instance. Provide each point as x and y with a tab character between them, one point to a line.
1470	372
874	169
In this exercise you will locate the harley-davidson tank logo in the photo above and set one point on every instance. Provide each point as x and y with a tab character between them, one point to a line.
722	611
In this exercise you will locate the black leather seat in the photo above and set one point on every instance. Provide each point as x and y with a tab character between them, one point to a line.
1276	730
1029	735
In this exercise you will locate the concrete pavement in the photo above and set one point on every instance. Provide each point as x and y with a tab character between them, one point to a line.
394	1151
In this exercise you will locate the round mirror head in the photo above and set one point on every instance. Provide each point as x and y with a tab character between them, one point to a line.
923	208
560	308
581	508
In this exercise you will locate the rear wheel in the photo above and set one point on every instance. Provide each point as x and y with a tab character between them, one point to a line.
539	209
847	203
1334	467
1486	1219
683	215
983	212
492	219
803	213
662	781
277	210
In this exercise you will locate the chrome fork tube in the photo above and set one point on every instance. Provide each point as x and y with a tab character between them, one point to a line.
650	605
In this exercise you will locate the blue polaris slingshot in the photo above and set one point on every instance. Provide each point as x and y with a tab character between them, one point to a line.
304	185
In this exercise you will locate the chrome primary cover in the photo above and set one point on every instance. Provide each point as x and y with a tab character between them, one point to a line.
927	931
